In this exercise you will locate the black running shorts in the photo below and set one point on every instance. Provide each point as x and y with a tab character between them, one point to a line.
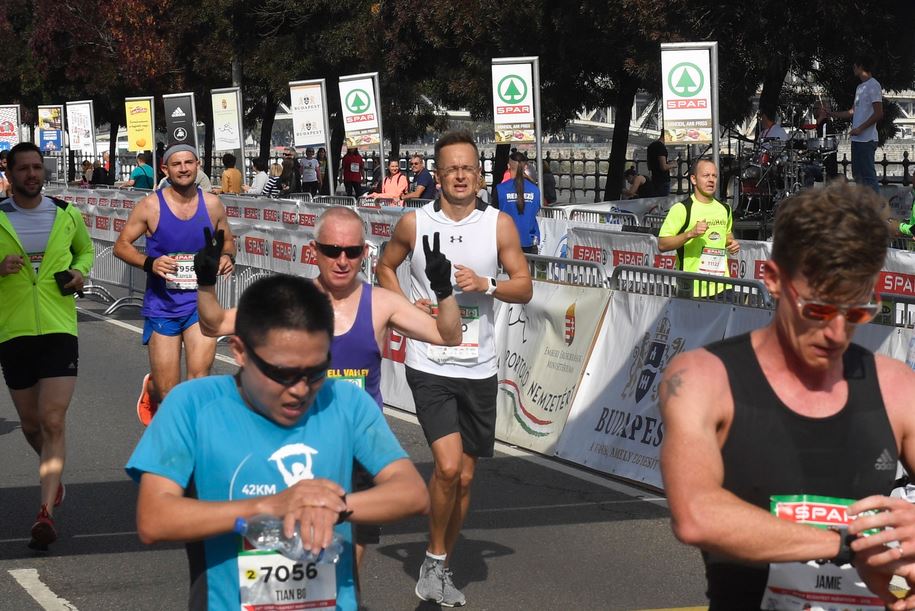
29	358
456	405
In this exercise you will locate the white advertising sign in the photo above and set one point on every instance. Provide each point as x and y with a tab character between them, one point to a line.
308	114
80	127
687	96
360	111
9	126
513	102
226	119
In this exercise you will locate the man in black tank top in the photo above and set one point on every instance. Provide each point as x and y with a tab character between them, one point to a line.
769	432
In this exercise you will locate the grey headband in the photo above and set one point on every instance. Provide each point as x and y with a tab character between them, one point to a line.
179	148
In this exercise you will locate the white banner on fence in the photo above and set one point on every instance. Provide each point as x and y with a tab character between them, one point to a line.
81	128
898	275
615	424
543	347
308	124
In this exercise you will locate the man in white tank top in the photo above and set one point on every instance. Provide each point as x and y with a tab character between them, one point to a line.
454	387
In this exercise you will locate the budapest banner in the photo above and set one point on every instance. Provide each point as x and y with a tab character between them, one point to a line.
81	128
180	119
309	124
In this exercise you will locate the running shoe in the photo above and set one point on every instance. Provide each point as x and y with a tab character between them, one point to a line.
61	493
44	532
146	407
431	579
451	596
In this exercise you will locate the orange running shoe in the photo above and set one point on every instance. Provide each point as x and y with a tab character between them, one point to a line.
44	532
146	406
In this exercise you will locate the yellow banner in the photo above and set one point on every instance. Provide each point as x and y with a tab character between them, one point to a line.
139	125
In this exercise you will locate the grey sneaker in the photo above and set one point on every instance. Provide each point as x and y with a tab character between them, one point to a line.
451	596
431	580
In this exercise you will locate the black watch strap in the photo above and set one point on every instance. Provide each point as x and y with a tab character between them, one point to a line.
846	554
345	514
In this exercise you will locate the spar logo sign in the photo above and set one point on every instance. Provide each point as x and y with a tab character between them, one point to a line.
512	90
686	80
358	102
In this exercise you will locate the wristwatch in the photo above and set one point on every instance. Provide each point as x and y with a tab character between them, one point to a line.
846	554
491	288
230	255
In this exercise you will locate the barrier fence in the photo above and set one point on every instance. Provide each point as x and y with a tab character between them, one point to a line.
578	366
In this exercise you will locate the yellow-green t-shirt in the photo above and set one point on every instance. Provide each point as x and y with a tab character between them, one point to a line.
706	253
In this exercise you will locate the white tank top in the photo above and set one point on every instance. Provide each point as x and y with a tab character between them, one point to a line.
470	242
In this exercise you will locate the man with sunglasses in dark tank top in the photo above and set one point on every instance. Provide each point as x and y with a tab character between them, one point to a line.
362	315
772	433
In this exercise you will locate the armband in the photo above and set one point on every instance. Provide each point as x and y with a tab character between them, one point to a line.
148	264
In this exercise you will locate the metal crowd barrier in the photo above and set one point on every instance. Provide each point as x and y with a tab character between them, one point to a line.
335	200
302	197
567	271
552	213
896	311
112	271
653	220
416	202
688	285
618	218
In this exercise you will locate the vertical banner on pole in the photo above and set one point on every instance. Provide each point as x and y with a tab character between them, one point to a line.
690	87
513	110
180	119
139	113
50	128
361	117
10	126
227	131
309	116
81	128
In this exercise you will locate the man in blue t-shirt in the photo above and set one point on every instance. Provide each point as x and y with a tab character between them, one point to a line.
422	185
142	176
277	439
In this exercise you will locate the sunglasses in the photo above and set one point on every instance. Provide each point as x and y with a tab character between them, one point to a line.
289	376
818	311
333	251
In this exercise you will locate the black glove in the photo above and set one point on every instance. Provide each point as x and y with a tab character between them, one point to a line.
438	268
206	261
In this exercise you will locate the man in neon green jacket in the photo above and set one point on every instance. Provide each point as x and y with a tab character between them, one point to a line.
39	353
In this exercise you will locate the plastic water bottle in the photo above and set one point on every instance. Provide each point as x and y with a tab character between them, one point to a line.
266	532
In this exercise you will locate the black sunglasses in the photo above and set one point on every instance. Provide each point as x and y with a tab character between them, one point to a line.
333	251
289	376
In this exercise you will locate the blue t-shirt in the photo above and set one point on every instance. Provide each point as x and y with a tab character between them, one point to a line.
525	222
204	429
424	179
142	177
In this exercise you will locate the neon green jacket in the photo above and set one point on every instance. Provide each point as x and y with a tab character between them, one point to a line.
31	304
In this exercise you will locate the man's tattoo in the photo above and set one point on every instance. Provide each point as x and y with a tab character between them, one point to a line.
671	384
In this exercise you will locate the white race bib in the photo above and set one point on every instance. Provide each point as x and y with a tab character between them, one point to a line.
185	278
35	260
354	167
713	261
269	581
469	350
808	585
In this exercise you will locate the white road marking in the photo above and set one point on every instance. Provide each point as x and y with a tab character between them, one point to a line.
36	588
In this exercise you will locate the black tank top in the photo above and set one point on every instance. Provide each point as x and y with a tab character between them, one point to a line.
772	450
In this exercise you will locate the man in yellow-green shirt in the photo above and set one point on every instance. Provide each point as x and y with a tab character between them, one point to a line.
699	229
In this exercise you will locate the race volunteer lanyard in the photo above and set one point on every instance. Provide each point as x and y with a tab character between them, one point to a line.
268	581
810	585
184	278
469	350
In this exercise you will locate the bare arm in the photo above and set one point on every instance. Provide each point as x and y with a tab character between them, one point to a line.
136	226
399	492
518	288
214	320
703	513
395	252
165	514
412	322
418	192
664	164
220	220
674	242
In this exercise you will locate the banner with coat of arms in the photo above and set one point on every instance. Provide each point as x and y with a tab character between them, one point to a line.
543	347
615	423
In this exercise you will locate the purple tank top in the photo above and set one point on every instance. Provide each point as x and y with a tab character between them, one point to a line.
171	237
354	355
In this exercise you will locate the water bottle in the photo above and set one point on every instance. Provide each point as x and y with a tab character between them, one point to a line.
266	532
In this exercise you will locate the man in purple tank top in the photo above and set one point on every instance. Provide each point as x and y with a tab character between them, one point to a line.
362	316
173	221
780	445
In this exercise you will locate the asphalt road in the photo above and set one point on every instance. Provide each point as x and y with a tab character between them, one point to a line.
540	535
